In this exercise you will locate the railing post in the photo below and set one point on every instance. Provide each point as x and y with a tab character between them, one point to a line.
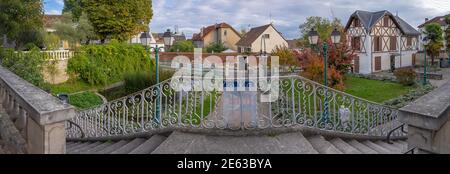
428	121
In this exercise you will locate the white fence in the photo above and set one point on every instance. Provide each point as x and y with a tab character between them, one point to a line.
59	54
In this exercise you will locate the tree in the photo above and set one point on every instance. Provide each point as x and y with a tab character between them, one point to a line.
51	41
323	26
243	32
216	48
21	20
286	56
448	33
182	46
74	7
434	33
118	19
313	69
75	32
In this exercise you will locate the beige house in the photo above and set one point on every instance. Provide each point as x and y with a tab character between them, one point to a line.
263	38
217	33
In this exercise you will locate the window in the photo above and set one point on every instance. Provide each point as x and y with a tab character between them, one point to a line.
393	42
377	63
267	36
408	41
356	43
377	43
357	23
386	21
225	33
249	50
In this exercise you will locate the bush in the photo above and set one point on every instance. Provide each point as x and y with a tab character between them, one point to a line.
406	76
140	80
27	65
106	64
216	48
182	46
85	100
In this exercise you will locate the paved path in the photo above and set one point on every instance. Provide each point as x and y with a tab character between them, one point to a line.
446	78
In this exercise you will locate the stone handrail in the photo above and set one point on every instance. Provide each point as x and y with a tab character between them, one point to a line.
428	121
38	116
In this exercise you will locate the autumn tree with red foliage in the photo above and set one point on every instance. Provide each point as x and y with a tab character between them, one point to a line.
340	59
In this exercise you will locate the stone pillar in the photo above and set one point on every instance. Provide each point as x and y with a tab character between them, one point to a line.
428	121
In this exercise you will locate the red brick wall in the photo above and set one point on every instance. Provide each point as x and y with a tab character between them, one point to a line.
169	56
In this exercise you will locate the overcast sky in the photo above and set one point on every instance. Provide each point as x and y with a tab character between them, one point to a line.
287	15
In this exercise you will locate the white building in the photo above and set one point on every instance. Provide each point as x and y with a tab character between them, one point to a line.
438	20
136	39
381	41
263	38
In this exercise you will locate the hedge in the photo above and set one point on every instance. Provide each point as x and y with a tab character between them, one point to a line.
106	64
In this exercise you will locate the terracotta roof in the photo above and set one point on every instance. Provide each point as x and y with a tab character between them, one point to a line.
252	35
50	20
440	20
369	19
208	29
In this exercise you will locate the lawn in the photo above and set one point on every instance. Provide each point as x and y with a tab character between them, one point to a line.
72	86
374	90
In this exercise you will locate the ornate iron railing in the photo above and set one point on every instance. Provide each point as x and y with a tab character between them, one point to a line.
301	102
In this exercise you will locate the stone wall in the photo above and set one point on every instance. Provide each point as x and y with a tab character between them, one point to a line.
55	71
12	139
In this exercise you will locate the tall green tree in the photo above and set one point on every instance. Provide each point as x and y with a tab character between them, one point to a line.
21	21
118	19
323	26
434	33
75	7
75	32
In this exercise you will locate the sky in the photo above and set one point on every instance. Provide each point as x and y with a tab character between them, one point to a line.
286	15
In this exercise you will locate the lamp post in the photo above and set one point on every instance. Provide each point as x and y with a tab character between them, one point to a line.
426	41
313	40
146	39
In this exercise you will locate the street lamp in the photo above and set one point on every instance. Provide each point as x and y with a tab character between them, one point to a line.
145	41
313	38
425	41
168	38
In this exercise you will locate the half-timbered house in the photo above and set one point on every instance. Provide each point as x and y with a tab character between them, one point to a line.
381	40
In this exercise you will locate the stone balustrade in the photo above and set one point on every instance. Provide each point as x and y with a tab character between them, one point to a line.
31	120
428	121
59	54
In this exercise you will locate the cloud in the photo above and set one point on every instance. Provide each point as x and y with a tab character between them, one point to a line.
287	15
53	12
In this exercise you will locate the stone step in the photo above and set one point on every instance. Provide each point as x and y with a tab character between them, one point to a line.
344	147
396	144
390	147
293	143
322	145
98	148
71	145
150	145
361	147
79	145
81	149
376	147
129	147
112	148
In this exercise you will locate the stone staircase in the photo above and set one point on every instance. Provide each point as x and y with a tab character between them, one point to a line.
286	143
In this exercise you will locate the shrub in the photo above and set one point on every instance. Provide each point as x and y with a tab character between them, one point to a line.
406	76
286	56
140	80
106	64
216	48
182	46
27	65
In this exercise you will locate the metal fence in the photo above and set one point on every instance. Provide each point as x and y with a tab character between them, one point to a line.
301	102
